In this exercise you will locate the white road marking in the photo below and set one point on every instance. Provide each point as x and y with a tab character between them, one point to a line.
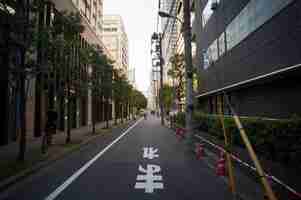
150	153
72	178
149	185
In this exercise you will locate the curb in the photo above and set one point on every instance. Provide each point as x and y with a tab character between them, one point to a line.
6	183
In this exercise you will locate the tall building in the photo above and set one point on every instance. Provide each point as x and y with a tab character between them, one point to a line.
132	77
154	90
116	40
170	28
92	16
250	49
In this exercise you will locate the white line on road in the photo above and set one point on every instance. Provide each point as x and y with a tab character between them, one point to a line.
72	178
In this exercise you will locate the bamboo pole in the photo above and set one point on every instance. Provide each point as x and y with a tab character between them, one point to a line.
228	156
265	183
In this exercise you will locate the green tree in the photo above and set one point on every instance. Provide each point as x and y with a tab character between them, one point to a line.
18	34
106	87
72	28
168	92
100	81
57	43
119	80
140	100
177	73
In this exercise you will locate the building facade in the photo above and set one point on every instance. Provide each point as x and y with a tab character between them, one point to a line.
92	17
132	77
116	40
170	29
91	12
251	50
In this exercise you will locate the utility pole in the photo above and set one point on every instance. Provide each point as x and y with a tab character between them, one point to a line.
22	13
39	76
4	80
188	66
161	80
157	41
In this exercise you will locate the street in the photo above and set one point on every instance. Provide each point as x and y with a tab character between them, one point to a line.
144	161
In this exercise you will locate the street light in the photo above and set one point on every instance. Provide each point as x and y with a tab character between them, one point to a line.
188	61
156	40
166	15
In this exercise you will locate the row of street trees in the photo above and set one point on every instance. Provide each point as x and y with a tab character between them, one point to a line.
176	92
65	69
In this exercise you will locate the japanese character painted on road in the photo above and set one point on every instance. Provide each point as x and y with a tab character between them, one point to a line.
149	179
150	153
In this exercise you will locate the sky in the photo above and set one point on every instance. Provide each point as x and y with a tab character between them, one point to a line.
139	18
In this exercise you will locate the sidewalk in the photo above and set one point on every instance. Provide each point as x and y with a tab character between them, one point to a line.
10	151
246	180
11	170
288	175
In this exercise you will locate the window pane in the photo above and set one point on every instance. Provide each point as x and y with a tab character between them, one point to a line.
221	44
210	55
255	14
207	12
214	51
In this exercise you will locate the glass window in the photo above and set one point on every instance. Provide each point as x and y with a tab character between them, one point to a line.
206	59
254	14
207	12
110	29
210	55
214	52
221	44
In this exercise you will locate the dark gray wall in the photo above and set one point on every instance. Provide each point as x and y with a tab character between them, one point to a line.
280	98
275	45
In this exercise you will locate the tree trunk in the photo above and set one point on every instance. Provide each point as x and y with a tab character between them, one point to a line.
161	82
188	69
115	114
93	113
68	138
103	109
107	114
128	111
22	149
48	131
22	13
39	81
121	106
4	85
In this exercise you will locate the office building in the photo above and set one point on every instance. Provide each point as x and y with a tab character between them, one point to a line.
116	40
250	49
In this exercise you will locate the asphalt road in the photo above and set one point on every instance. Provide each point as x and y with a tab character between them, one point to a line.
108	168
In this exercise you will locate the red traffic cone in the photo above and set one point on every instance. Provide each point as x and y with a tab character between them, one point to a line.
221	165
180	133
295	196
199	151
